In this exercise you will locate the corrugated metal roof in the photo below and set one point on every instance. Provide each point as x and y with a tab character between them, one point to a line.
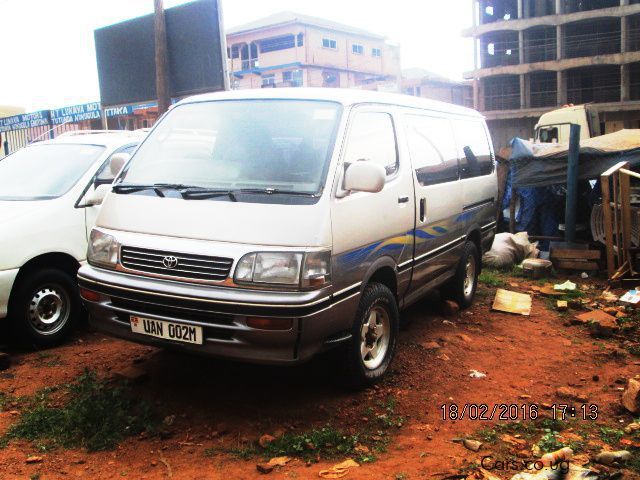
283	18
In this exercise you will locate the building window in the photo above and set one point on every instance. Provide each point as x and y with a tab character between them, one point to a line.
268	80
357	49
300	40
293	77
329	43
235	51
277	43
376	52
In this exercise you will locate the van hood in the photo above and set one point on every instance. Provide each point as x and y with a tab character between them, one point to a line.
222	221
19	209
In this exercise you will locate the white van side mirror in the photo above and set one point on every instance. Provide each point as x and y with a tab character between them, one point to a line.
364	176
117	161
97	197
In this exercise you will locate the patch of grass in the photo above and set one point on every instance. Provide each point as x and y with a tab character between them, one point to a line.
326	441
491	278
388	418
94	414
549	442
47	359
612	436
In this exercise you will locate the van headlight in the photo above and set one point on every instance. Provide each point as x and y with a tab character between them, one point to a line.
306	270
103	249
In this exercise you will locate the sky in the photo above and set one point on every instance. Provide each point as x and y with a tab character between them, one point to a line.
47	54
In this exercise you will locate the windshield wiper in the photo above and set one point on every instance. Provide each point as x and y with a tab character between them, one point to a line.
272	191
201	193
158	188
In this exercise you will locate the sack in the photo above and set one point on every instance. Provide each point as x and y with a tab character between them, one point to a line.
509	250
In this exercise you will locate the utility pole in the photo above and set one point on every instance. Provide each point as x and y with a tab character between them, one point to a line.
162	59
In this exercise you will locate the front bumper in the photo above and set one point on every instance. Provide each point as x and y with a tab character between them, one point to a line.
7	279
319	318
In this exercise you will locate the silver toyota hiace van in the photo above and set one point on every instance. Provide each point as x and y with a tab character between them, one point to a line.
270	225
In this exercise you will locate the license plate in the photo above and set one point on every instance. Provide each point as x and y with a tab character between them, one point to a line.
167	330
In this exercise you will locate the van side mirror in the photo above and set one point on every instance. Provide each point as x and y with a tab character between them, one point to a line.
117	161
364	176
97	197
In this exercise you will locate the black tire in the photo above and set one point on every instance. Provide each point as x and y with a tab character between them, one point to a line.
43	296
376	298
457	289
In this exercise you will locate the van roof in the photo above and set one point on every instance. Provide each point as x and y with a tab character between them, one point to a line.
108	139
344	96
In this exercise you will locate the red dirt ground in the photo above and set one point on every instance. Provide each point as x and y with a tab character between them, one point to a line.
522	356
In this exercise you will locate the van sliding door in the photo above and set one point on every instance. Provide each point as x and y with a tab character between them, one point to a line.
438	230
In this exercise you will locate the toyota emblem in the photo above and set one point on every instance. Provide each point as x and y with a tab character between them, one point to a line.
170	262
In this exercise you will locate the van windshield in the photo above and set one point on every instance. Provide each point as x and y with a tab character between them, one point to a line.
250	147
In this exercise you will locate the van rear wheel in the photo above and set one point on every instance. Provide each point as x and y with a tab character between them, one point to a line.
369	352
462	287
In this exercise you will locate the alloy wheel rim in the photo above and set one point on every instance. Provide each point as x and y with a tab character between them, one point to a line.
49	309
375	335
470	276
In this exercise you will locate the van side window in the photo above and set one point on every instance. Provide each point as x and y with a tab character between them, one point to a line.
475	152
432	149
372	137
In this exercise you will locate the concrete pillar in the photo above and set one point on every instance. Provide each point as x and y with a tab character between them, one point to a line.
624	29
624	3
476	94
524	97
559	39
481	105
625	85
476	64
474	12
521	46
562	88
558	7
520	8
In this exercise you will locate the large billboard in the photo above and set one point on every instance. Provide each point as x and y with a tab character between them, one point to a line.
125	53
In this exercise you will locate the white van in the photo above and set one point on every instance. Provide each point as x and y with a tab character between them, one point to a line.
46	214
271	225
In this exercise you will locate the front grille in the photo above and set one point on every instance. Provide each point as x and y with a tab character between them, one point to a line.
198	267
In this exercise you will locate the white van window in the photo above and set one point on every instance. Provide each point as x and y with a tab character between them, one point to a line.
45	171
475	152
432	149
372	137
282	145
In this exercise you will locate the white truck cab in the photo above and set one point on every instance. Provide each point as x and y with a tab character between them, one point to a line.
554	126
47	209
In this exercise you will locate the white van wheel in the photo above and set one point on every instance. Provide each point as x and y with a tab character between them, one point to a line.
45	307
369	353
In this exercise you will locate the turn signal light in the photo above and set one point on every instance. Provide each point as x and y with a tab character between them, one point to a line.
89	295
270	323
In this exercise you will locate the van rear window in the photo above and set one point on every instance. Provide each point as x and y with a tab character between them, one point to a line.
475	151
433	149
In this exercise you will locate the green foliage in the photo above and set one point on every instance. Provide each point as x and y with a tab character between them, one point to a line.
491	278
326	442
549	442
612	436
97	415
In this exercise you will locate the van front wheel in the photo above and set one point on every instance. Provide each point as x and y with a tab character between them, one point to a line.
462	287
45	307
370	350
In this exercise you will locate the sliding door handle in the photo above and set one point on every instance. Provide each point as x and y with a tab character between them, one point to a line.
423	209
403	199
